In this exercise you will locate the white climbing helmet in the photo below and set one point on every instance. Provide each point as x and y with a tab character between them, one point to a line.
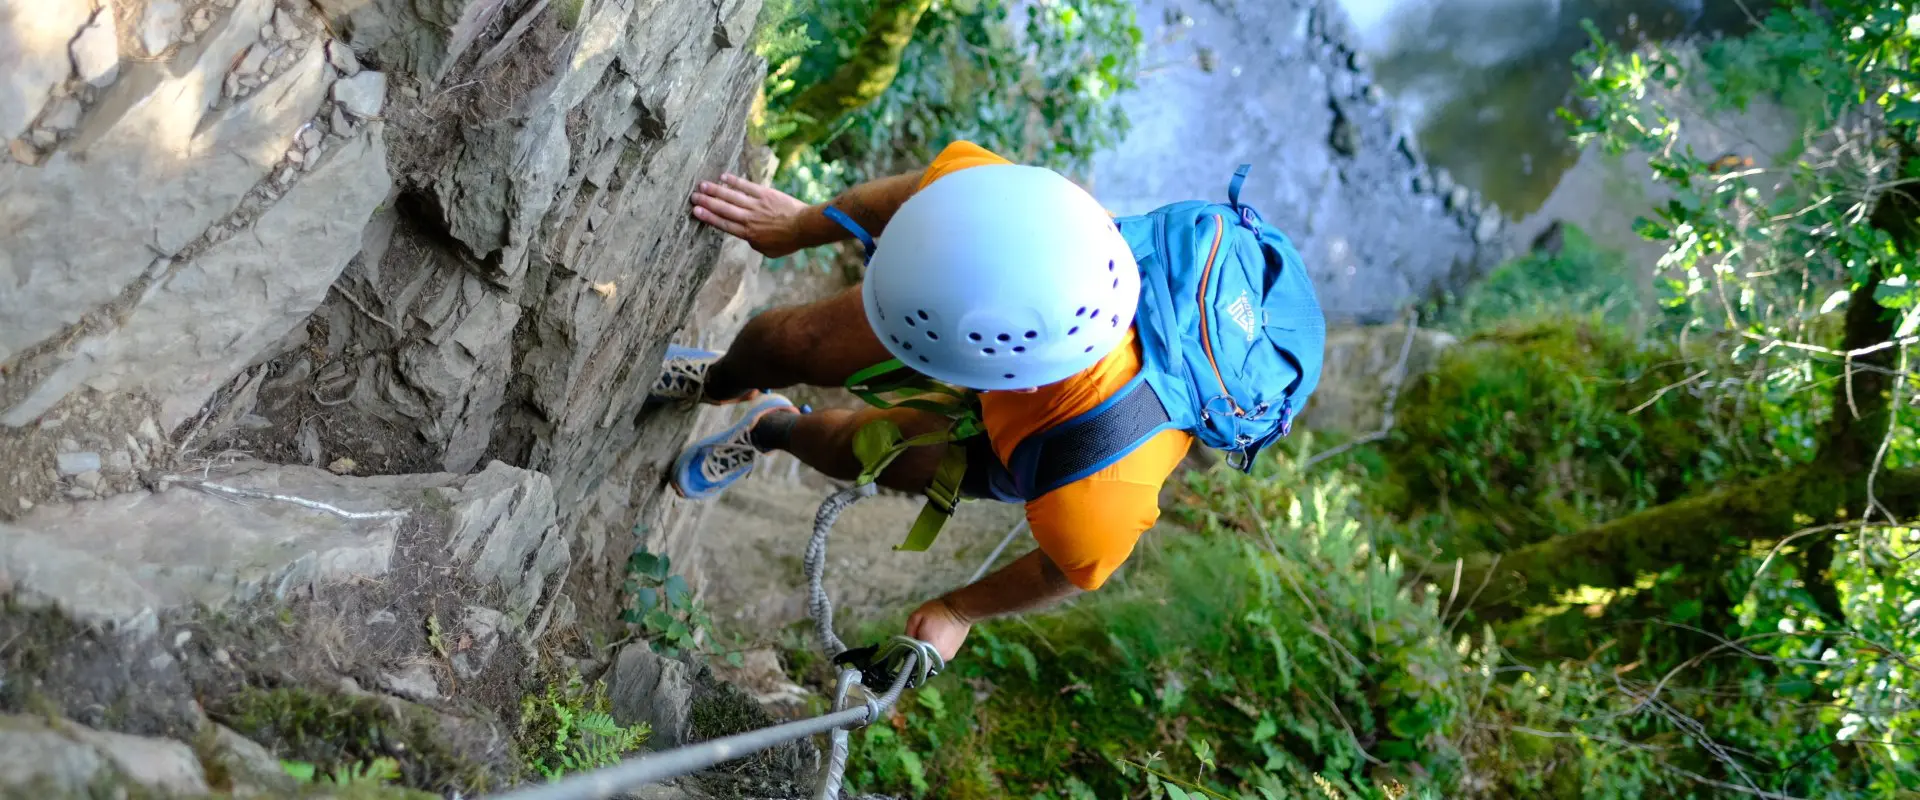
1001	277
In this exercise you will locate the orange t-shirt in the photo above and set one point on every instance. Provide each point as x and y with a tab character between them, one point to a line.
1087	527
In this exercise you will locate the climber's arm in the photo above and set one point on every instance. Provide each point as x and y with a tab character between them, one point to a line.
777	223
1030	583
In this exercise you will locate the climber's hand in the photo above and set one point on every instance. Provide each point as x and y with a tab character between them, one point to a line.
769	219
937	624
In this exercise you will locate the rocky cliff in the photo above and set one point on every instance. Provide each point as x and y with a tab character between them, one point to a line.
327	324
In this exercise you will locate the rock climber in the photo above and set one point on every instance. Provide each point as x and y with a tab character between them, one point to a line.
955	244
1008	280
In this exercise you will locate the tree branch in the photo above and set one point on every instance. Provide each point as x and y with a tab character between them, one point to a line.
867	74
1692	532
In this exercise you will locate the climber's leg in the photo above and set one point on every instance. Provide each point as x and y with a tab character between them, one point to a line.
822	440
818	344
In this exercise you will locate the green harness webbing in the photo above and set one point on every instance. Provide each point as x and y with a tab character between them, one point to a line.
879	442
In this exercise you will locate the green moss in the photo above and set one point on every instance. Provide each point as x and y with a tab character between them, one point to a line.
334	731
1535	429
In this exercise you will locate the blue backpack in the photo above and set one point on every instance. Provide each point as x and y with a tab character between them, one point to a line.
1232	338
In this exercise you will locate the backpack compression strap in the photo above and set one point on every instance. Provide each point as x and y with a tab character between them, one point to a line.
1090	442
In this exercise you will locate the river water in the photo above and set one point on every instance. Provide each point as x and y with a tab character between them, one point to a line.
1442	92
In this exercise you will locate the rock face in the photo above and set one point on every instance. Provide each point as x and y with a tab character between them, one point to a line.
455	233
338	299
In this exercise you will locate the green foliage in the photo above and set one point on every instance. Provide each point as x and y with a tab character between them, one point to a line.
568	727
1540	428
378	772
347	739
1042	92
1582	278
1273	651
662	606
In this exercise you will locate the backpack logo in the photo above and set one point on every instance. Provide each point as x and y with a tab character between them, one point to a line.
1241	310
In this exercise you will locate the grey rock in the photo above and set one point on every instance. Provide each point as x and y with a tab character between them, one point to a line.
341	57
33	59
90	480
119	462
1488	226
254	771
298	246
285	26
252	63
200	21
44	139
413	683
160	24
504	522
72	218
340	124
107	561
381	617
74	760
1458	199
310	136
651	688
363	94
483	627
96	51
1345	137
74	463
1442	182
63	114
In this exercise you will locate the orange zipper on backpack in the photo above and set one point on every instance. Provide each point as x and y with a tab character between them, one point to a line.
1206	333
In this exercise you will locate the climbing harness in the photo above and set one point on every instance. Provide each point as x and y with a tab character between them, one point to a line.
890	384
900	663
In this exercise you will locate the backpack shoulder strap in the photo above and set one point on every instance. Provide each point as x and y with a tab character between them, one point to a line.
1089	442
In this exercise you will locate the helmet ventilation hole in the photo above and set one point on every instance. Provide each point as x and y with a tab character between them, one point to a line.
1073	330
1033	334
910	322
1009	376
933	336
1095	314
922	313
1116	283
907	345
1109	265
893	338
974	336
988	350
1019	349
923	360
1081	313
1116	320
1004	337
1089	349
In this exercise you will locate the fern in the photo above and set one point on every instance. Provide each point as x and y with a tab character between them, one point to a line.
574	729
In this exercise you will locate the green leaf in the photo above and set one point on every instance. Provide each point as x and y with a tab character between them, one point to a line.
1833	301
1175	792
659	620
1267	729
677	630
1686	610
642	562
1202	750
736	659
299	770
646	600
677	592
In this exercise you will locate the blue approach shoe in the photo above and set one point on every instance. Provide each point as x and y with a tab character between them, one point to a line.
714	463
683	375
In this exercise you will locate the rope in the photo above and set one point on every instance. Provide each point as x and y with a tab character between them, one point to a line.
819	606
668	764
